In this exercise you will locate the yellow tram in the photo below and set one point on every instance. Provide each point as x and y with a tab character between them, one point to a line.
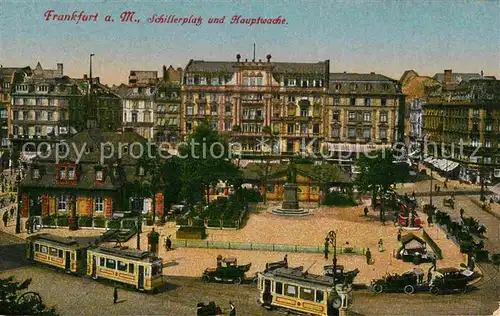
302	293
134	267
60	252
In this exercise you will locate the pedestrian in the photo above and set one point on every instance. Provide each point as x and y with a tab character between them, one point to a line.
5	218
326	249
439	188
168	243
232	309
435	187
115	296
452	195
413	194
286	259
462	213
429	221
12	212
399	235
368	255
366	210
380	245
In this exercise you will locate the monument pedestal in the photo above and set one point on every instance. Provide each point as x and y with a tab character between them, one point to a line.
290	204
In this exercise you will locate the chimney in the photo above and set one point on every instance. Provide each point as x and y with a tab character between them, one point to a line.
238	57
85	77
372	73
482	74
268	58
447	76
60	68
164	75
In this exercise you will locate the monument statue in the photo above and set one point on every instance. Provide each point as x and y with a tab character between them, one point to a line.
290	204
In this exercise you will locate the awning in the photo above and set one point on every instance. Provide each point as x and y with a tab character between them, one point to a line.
442	164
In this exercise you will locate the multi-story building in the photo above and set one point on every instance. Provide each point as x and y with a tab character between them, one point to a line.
363	113
47	106
142	77
166	112
138	109
243	97
463	118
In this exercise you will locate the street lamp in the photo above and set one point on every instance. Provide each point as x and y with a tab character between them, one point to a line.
18	217
332	236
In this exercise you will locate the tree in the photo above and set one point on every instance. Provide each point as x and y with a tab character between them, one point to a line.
205	162
12	302
152	167
268	131
378	172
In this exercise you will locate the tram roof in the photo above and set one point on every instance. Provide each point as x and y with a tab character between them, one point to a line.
301	278
58	240
125	252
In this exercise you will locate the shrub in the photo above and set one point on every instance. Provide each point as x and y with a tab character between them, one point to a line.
495	259
85	221
62	221
114	224
48	220
339	199
129	224
481	255
213	222
229	224
99	222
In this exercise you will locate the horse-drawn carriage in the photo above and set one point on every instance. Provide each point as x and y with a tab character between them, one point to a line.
449	203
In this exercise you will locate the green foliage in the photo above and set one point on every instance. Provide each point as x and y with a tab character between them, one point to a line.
188	232
378	172
62	220
338	199
99	222
49	220
129	224
15	301
113	224
85	221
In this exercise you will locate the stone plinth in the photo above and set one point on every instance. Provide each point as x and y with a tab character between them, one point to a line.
290	204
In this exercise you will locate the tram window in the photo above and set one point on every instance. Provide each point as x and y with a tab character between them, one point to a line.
78	255
319	296
110	264
60	253
122	266
101	262
306	294
44	249
291	290
156	269
53	252
279	288
37	247
130	268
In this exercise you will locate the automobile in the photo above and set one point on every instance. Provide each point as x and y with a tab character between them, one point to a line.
227	270
407	282
416	258
270	266
338	274
210	309
448	280
449	202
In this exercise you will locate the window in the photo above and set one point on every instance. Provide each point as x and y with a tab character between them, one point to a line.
134	117
189	110
38	115
291	290
475	112
351	116
44	249
201	110
156	269
303	111
368	87
354	86
292	82
62	204
291	98
352	133
367	117
335	132
306	294
122	266
50	116
315	128
37	247
487	143
279	288
71	173
303	128
99	204
141	171
385	86
336	115
189	126
353	101
383	101
304	83
259	81
15	115
336	101
383	117
62	116
290	128
367	133
110	263
130	268
36	173
53	252
383	134
62	173
368	101
61	253
99	175
319	296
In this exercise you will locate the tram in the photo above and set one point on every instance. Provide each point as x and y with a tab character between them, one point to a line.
135	268
128	266
301	293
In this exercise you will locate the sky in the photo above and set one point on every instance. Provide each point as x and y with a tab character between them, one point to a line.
383	36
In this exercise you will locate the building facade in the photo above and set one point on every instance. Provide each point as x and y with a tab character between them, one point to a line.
167	112
463	119
138	108
363	113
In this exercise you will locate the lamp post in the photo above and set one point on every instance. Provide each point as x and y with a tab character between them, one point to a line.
18	217
332	236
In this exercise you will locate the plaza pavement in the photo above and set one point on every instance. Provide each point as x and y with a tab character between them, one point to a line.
349	223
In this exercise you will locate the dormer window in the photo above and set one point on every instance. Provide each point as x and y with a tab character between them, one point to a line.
36	173
71	173
141	171
62	173
99	175
42	88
